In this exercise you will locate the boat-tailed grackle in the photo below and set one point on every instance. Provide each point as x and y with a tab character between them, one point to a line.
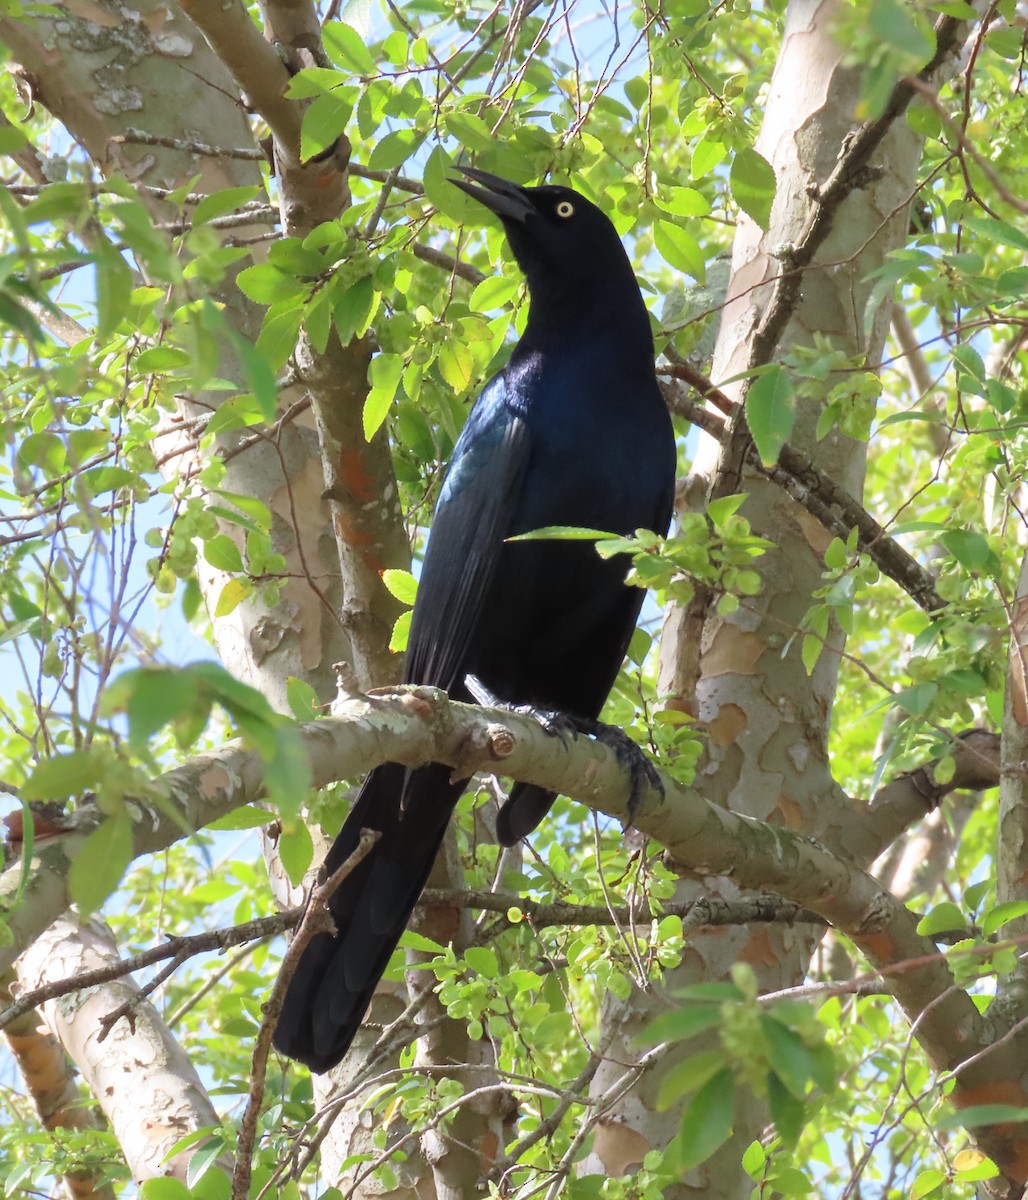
573	431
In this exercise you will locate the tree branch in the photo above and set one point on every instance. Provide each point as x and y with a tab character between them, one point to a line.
419	725
705	912
255	66
818	493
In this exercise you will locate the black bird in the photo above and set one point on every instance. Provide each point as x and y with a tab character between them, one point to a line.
573	431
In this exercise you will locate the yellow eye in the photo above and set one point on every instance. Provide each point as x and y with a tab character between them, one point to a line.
565	209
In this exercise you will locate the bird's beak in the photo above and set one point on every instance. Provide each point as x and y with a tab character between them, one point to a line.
506	199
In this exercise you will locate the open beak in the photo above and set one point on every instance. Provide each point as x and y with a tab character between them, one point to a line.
506	199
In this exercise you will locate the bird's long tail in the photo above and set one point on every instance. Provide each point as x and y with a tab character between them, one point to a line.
333	984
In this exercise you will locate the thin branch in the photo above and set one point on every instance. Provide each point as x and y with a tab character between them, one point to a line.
455	266
178	948
705	912
817	492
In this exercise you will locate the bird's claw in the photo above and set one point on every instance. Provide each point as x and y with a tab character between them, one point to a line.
643	775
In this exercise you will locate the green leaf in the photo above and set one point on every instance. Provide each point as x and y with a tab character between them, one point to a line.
706	1121
384	373
401	632
681	1023
60	201
113	289
723	507
916	700
12	140
151	697
395	148
111	479
994	230
164	1188
162	358
44	450
287	774
972	1165
585	1187
457	365
218	204
944	918
352	310
266	284
65	775
201	1162
896	25
317	321
417	941
976	1115
971	361
483	960
222	553
247	817
231	596
400	584
970	548
770	413
682	202
259	375
689	1075
344	47
302	699
470	131
997	917
439	191
318	81
706	156
493	293
100	862
790	1181
679	249
296	850
926	1183
752	183
563	533
790	1058
754	1160
277	338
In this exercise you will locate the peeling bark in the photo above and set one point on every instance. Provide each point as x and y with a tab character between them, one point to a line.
50	1083
768	720
144	1082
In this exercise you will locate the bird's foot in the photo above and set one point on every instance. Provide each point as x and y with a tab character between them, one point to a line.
643	775
556	724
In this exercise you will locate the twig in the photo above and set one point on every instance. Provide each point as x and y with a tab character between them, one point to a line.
178	948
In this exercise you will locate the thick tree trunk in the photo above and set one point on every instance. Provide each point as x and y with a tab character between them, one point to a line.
767	719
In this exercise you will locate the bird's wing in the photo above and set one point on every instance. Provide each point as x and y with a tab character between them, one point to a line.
475	513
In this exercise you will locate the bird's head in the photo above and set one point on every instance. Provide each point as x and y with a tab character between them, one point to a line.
565	245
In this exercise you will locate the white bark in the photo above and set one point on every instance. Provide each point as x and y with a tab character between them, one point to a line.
142	1079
